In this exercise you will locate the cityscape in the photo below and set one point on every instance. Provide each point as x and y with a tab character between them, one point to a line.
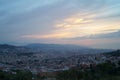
59	39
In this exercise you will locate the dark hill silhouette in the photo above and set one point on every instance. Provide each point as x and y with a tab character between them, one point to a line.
4	46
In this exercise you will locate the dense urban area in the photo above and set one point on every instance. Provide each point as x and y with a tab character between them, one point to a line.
58	62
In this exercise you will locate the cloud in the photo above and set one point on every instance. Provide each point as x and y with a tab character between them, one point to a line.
37	20
74	21
110	35
48	36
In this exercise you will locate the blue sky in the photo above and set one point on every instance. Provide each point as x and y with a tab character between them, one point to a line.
93	23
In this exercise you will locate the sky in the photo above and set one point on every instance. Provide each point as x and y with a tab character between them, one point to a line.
92	23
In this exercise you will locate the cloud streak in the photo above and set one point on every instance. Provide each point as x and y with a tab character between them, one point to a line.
29	20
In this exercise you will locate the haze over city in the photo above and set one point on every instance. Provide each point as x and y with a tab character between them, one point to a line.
59	39
92	23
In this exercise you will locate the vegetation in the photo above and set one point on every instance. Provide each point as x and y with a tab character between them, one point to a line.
104	71
17	75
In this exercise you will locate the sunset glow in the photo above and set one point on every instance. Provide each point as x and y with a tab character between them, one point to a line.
60	21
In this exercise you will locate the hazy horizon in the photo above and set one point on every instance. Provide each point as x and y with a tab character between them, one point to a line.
91	23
